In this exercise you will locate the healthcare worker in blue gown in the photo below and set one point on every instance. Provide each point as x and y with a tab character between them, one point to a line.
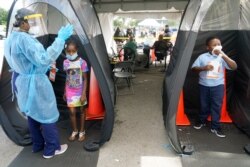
30	61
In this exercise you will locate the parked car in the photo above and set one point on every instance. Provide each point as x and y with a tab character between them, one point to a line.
2	35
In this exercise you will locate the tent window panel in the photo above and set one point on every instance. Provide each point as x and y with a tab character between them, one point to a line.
55	20
244	15
221	16
189	16
88	18
52	23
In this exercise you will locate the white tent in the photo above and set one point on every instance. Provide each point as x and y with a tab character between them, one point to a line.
149	23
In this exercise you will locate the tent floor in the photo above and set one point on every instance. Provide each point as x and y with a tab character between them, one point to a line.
210	150
74	156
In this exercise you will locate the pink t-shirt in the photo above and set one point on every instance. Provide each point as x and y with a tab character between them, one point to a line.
74	80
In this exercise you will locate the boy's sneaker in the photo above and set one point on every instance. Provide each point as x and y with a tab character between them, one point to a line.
64	147
199	125
218	132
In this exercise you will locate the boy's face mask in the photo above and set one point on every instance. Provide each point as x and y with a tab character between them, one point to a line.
217	49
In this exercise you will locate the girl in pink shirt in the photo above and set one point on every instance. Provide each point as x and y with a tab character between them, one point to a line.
75	88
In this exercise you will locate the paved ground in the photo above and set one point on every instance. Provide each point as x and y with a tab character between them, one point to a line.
8	150
139	138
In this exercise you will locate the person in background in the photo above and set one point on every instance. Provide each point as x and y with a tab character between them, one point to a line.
160	48
36	99
118	36
210	67
130	49
75	88
129	33
167	31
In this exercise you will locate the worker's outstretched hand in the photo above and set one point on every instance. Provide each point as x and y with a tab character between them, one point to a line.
65	32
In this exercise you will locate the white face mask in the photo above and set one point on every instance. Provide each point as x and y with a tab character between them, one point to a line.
219	47
72	57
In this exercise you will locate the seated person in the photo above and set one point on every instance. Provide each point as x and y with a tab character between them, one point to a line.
130	49
160	47
169	43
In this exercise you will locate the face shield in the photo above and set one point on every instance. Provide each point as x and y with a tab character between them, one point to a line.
37	25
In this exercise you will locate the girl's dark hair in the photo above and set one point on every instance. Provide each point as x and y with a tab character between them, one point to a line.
210	39
71	41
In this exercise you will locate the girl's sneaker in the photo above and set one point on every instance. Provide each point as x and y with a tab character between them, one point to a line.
81	136
73	136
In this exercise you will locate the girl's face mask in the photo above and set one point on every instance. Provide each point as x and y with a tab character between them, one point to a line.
71	57
71	52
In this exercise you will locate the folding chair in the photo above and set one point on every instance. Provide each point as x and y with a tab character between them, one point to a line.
160	56
124	70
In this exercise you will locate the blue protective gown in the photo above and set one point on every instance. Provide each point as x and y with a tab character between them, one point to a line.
27	56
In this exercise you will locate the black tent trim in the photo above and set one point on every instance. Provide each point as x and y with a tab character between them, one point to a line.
175	77
108	122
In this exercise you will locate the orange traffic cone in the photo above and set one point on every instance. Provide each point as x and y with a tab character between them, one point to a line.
181	117
153	57
96	106
224	114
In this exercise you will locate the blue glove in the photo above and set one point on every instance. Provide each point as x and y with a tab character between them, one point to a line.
65	32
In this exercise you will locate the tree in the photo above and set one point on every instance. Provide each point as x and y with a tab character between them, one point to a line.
3	16
125	22
118	22
133	23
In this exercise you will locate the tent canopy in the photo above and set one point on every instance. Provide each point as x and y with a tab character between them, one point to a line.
135	5
153	14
